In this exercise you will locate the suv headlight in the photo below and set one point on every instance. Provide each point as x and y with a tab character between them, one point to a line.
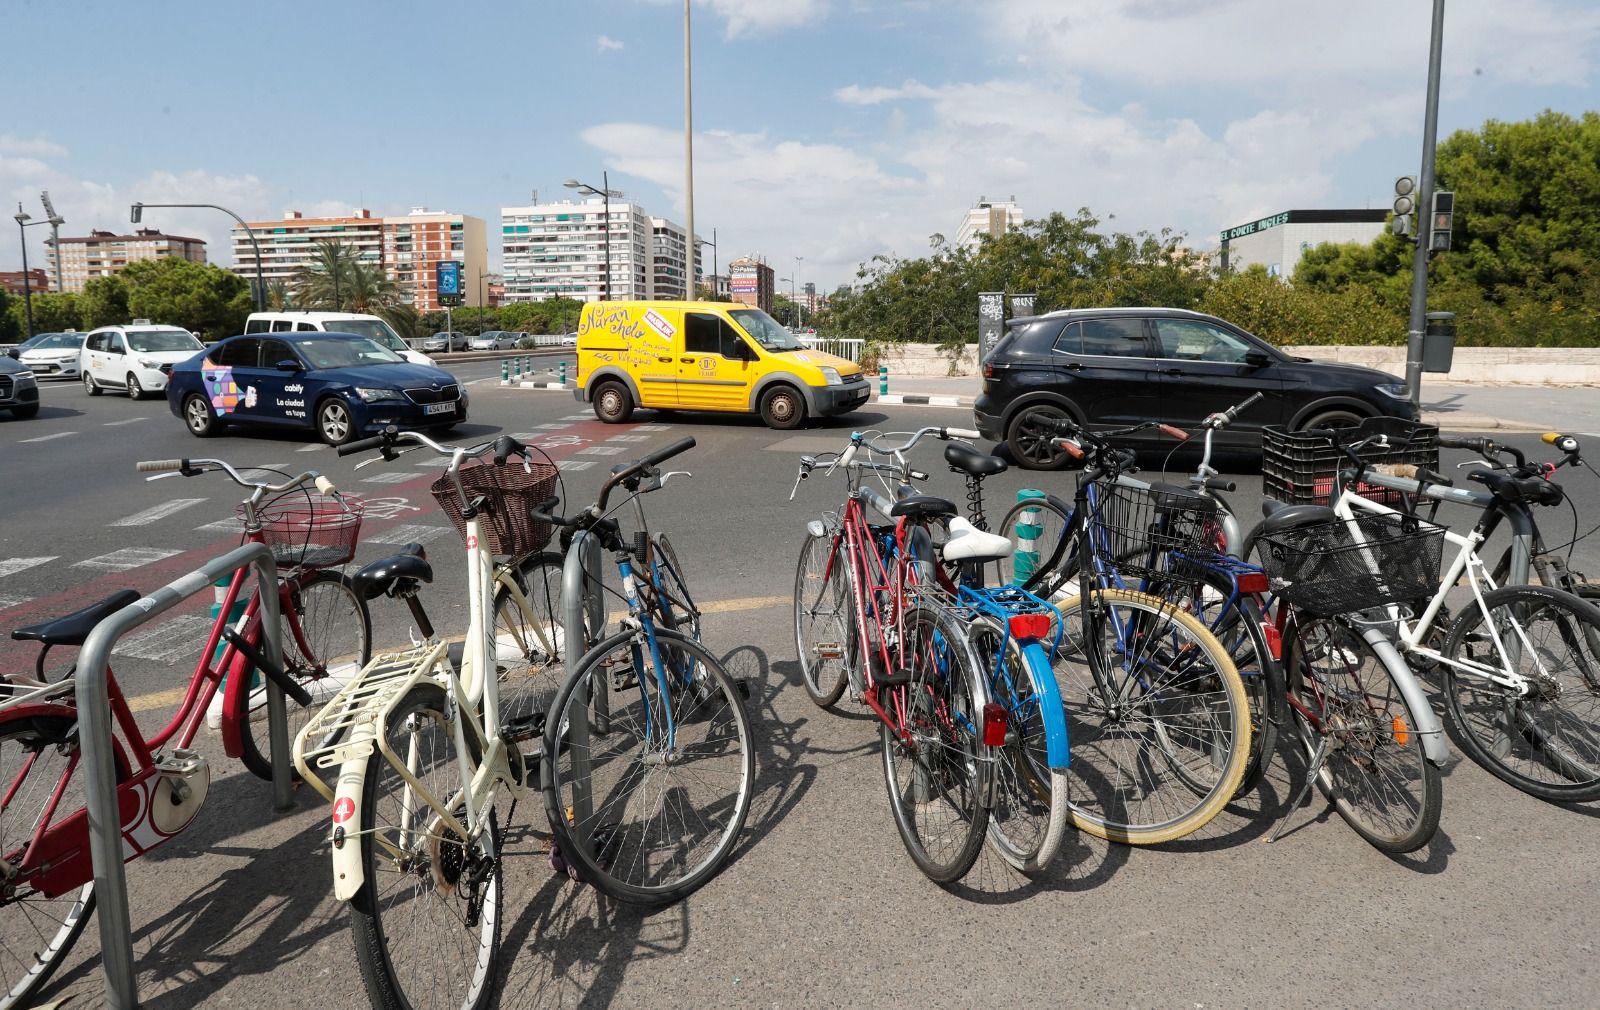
24	379
1394	390
372	395
147	363
831	377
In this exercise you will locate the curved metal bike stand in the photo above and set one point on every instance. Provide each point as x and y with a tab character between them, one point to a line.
583	607
94	730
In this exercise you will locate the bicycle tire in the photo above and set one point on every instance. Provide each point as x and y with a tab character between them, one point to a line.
1056	559
1547	746
1029	817
529	647
944	701
326	606
430	874
824	619
1183	656
1356	699
627	766
674	592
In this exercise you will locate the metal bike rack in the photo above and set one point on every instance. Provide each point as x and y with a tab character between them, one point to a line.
583	606
95	735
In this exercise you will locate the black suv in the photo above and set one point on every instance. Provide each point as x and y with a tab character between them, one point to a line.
1115	367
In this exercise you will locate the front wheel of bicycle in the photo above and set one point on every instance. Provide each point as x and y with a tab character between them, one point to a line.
824	618
1045	560
1159	718
426	920
1375	772
647	792
1546	741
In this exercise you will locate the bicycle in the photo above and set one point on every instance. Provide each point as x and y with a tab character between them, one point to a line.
647	763
46	877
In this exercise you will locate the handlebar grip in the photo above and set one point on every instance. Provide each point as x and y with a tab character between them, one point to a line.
1177	433
661	455
504	447
1455	441
160	465
363	445
325	486
1062	425
1221	484
960	433
1247	404
1070	447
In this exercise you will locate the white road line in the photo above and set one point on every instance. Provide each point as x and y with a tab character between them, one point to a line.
487	378
161	511
575	464
7	602
46	438
629	438
409	533
653	427
600	450
11	566
128	557
577	417
557	426
389	477
126	420
168	641
233	523
313	447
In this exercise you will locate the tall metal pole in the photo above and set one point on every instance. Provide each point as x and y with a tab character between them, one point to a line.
27	289
688	138
605	193
799	313
1419	262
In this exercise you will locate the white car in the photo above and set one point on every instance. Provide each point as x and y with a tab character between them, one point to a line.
136	358
54	356
359	323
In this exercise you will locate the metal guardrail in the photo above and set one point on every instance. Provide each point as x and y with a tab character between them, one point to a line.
94	729
844	347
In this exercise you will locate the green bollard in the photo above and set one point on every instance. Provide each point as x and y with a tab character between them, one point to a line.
1026	559
563	373
505	372
883	380
219	592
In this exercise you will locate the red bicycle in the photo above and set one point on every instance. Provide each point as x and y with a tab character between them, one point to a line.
46	876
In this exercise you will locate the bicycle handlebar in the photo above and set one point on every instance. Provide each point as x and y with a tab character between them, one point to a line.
637	467
195	467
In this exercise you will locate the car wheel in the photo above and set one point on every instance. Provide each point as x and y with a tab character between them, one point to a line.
1339	418
198	417
612	404
1029	438
89	385
334	422
783	408
135	391
24	412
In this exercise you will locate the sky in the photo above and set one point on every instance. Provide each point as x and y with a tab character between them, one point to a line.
832	130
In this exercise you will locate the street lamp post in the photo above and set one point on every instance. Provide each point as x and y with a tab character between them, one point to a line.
713	274
1419	260
688	133
791	297
137	214
606	193
23	217
800	315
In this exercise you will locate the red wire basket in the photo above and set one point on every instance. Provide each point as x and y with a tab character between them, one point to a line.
311	530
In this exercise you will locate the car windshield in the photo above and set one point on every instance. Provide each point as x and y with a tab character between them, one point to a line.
375	330
58	342
766	330
324	352
156	341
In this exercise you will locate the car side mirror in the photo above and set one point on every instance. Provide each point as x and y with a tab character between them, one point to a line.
13	354
288	365
1257	359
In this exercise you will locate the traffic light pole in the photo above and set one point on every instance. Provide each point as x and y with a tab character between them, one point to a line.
1419	263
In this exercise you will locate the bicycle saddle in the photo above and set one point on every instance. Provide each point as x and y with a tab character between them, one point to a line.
1280	516
968	543
75	627
972	461
923	506
388	576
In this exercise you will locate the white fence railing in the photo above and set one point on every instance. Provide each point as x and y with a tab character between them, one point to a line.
844	347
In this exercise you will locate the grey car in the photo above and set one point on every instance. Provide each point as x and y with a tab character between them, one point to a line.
19	393
446	342
494	340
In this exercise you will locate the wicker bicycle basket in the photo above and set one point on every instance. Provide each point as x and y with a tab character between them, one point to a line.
1135	530
311	530
1345	566
509	495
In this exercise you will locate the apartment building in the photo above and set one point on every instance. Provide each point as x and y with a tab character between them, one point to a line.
988	217
414	245
560	249
103	253
750	281
670	264
12	282
290	245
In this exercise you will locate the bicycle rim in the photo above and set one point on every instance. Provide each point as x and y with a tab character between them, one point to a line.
529	644
824	619
674	592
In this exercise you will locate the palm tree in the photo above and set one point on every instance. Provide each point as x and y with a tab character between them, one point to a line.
324	283
280	297
368	287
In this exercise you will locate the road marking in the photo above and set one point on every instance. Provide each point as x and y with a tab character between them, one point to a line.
128	557
46	438
313	447
126	420
653	427
600	450
629	438
161	511
745	603
421	533
169	640
576	417
158	699
556	426
486	378
571	465
11	566
389	477
7	602
233	523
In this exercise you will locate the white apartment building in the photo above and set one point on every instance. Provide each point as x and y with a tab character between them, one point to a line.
1277	241
670	266
559	249
289	245
988	217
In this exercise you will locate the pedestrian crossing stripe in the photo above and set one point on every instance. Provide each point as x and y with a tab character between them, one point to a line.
11	566
128	557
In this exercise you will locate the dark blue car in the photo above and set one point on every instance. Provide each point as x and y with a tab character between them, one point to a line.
342	385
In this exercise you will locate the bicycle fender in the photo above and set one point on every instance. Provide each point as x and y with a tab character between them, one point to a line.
235	702
1058	752
345	831
1434	746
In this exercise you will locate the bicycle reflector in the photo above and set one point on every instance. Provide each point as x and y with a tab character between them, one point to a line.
1254	582
1029	627
1402	735
994	725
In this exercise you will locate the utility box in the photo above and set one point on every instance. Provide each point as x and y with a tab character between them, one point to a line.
1439	342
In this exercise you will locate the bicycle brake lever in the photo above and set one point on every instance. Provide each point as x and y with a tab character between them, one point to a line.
671	474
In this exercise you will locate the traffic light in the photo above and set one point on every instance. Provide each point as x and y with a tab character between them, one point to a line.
1404	203
1444	206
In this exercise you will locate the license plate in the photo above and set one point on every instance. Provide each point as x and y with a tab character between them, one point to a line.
439	408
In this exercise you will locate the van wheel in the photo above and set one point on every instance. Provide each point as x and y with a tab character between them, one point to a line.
135	391
198	417
783	408
90	386
612	404
1029	438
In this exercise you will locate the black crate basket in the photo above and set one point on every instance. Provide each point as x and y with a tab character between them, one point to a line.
1349	565
510	495
1135	531
1298	468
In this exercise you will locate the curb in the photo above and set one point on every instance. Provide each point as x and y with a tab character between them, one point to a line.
923	400
441	357
1479	422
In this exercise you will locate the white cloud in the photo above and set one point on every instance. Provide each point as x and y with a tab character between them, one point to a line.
36	146
746	18
606	43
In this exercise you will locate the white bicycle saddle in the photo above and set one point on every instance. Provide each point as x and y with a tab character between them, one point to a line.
968	543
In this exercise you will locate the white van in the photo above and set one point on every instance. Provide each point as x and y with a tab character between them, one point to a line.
335	322
136	357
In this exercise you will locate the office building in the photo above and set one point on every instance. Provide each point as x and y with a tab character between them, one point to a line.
560	249
414	245
750	282
988	217
1277	241
103	253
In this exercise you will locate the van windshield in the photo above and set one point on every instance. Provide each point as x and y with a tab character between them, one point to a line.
375	330
766	330
154	341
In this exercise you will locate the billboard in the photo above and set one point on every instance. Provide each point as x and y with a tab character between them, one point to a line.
447	280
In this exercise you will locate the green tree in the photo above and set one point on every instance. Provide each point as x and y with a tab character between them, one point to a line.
280	297
197	296
784	310
325	283
10	329
52	311
104	302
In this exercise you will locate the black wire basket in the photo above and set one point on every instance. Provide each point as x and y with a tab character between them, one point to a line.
509	495
1135	531
1350	565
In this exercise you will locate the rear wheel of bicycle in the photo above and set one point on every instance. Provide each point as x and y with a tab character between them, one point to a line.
426	920
529	644
1375	772
824	619
1029	816
333	643
1044	562
937	778
647	814
1545	742
1159	718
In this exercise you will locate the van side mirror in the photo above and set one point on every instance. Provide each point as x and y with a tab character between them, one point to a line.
288	365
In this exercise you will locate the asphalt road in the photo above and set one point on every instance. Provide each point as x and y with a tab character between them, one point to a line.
820	906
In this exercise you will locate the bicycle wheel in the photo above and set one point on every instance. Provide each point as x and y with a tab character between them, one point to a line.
529	644
1375	772
326	637
38	926
1029	816
426	920
1045	561
1159	718
824	619
1547	742
938	778
675	608
647	813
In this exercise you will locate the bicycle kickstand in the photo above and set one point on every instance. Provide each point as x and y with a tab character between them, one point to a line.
1318	758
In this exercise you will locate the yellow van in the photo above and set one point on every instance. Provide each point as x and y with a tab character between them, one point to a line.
707	356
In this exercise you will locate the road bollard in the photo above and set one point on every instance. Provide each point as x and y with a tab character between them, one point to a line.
883	380
1025	561
563	373
219	593
505	372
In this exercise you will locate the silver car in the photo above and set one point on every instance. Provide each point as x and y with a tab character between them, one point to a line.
494	340
445	342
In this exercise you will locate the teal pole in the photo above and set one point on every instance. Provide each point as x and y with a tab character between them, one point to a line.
883	380
1026	559
505	371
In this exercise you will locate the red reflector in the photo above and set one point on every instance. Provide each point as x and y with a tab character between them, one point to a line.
1029	627
1254	582
1274	640
994	725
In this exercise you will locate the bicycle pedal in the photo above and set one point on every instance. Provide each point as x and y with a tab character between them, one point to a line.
524	727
